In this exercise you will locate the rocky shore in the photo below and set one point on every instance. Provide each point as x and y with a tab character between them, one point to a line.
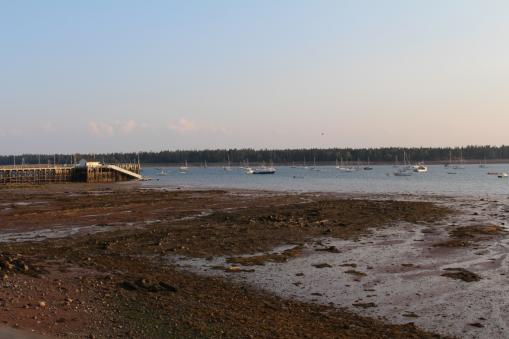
98	261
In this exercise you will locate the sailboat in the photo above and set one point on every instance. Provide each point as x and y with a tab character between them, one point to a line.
396	162
341	167
368	167
314	168
405	170
184	169
483	164
450	159
162	173
460	165
247	168
229	167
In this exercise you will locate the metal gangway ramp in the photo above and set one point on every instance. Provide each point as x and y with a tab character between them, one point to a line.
124	171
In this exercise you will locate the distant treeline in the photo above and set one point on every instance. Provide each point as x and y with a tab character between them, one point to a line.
282	156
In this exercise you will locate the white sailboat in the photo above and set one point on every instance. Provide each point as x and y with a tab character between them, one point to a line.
247	168
460	165
483	164
162	173
342	167
314	168
228	168
184	169
405	170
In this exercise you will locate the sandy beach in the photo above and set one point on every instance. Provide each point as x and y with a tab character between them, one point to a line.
125	261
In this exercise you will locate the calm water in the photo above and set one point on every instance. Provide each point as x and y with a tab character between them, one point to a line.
472	180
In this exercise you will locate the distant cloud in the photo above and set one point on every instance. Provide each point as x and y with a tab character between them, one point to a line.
187	126
129	126
104	129
100	129
184	126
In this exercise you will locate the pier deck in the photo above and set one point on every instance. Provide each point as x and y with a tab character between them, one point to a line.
42	174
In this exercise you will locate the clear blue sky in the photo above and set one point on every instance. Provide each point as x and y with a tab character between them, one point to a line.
96	76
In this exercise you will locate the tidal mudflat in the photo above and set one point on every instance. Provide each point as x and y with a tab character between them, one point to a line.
122	260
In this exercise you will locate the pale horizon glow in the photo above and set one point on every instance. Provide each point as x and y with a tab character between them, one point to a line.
120	76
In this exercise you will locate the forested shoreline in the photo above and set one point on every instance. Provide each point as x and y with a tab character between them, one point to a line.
277	156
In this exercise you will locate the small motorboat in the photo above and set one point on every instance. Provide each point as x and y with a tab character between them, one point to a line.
503	175
420	168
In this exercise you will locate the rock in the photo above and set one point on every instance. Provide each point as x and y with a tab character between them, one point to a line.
331	249
322	265
365	305
357	273
479	325
167	287
349	265
7	265
126	285
461	274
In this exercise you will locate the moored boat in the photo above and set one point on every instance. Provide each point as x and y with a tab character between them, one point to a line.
420	168
263	170
184	169
405	170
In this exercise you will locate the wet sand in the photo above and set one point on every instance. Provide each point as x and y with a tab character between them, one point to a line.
120	260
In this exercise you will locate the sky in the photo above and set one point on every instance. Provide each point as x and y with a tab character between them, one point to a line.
121	75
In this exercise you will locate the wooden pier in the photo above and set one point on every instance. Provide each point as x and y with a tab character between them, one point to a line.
45	174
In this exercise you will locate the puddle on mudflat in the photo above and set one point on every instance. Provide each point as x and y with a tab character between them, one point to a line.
396	273
63	231
60	232
23	203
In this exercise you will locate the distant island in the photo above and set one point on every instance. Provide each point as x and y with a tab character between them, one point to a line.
279	156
